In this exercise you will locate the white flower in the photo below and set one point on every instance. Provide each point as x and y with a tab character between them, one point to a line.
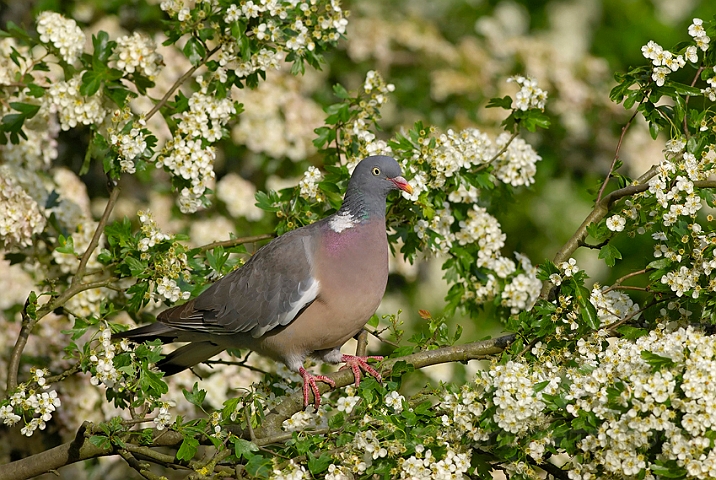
346	404
138	53
616	223
309	184
529	96
63	34
395	401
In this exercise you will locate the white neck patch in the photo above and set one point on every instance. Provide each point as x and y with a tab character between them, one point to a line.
342	221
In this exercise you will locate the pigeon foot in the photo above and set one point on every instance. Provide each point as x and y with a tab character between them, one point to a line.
356	364
309	382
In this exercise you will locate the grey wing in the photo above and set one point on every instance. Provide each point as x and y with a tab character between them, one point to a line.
270	290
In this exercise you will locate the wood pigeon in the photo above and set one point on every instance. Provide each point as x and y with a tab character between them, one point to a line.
303	294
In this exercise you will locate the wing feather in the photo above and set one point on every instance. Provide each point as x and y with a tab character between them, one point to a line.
272	289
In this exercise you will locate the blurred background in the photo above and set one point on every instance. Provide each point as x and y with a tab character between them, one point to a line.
446	58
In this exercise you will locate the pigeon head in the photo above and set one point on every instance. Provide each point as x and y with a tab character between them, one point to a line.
372	179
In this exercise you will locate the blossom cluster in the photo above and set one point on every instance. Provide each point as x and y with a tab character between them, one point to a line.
28	403
102	359
637	419
20	216
295	27
665	62
72	107
612	305
377	91
471	149
187	156
138	53
672	197
424	466
63	34
530	95
169	265
238	196
309	184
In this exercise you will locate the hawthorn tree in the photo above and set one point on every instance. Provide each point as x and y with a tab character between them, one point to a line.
589	380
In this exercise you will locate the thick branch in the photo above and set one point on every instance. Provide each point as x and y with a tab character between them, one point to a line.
271	426
600	211
77	450
270	431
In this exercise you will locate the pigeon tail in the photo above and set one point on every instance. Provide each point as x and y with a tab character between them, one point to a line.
158	330
188	356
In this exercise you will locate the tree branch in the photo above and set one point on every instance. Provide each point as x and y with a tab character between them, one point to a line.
179	82
236	241
272	424
269	432
600	211
616	155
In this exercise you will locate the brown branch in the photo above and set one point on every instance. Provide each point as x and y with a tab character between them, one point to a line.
600	211
113	197
232	242
271	426
616	155
362	347
28	324
688	97
269	432
179	83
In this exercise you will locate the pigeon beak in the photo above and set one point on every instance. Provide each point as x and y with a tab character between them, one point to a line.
402	184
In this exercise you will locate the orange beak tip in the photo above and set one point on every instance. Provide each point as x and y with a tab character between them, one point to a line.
402	184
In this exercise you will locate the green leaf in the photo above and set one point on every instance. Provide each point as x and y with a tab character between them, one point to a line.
194	51
259	466
100	441
102	47
136	267
504	102
242	448
188	448
588	312
320	464
66	245
657	362
91	81
27	109
632	333
610	254
196	396
659	264
340	91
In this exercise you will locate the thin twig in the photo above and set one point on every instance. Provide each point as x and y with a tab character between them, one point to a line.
616	155
688	97
497	155
113	197
179	82
376	334
233	242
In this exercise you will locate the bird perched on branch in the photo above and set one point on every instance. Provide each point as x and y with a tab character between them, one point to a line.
303	294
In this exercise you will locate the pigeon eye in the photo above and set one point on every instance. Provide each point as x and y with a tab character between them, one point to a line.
376	171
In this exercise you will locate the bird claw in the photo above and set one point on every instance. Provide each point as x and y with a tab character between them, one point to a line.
309	382
361	363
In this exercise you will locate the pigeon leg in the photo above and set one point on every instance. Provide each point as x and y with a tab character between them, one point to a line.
309	381
361	363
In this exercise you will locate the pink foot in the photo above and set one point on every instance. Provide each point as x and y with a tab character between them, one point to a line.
361	363
309	381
